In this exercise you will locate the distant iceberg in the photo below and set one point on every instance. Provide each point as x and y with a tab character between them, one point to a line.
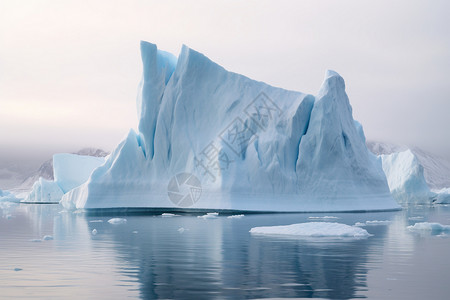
6	196
70	171
216	140
406	178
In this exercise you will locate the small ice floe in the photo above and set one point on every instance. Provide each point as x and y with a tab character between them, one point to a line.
169	215
36	240
96	221
376	222
47	238
211	215
432	228
415	218
235	217
116	221
135	232
94	231
323	218
181	230
372	223
18	269
313	229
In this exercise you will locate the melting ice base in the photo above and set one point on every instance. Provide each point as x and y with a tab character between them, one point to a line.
252	147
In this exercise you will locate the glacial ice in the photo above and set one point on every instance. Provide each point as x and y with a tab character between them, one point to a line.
406	179
6	196
212	139
45	191
313	229
70	171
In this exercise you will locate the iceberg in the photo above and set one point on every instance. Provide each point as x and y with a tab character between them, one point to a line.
406	178
443	196
210	139
70	171
45	191
6	196
313	229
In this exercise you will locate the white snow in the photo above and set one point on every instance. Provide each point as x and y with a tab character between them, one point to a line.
94	231
116	221
429	227
313	229
253	147
211	215
235	217
406	179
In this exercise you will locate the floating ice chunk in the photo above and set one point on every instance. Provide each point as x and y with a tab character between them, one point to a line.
360	224
313	229
181	230
433	228
94	231
323	218
236	217
18	269
36	240
135	232
415	218
212	215
169	215
96	221
45	191
116	221
47	238
376	222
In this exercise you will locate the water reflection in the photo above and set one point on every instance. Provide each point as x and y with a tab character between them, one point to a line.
219	258
185	257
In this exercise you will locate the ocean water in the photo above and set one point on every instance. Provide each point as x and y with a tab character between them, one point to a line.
83	256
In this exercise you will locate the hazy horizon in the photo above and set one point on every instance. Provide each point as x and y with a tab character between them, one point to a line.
69	71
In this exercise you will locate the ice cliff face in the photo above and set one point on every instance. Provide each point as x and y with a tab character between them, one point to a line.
213	139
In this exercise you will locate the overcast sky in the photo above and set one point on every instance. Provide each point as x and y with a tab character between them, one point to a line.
69	70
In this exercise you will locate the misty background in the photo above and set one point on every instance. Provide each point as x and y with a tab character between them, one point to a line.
69	70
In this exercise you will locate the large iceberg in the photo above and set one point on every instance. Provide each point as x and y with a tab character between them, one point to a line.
70	171
212	139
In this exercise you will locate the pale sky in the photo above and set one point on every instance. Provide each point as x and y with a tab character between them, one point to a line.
69	70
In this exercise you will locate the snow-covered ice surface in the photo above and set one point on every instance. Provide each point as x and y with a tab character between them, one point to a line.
406	179
313	229
213	139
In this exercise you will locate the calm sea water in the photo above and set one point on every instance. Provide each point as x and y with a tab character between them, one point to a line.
186	257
